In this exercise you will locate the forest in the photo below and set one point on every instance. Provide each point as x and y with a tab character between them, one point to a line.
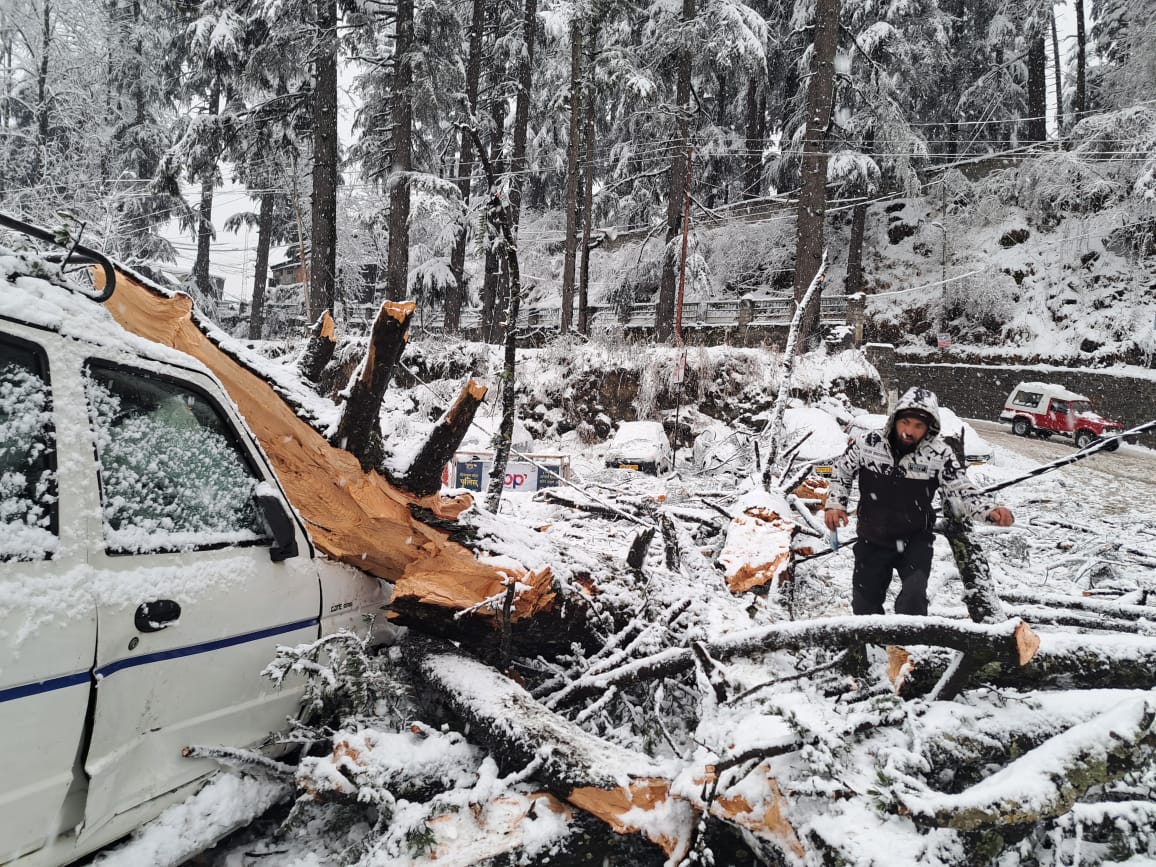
586	122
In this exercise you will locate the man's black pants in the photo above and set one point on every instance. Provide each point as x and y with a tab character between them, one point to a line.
874	563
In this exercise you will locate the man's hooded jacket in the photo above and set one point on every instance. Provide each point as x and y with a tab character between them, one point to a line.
896	490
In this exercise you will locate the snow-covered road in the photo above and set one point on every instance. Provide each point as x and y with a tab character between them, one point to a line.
1119	481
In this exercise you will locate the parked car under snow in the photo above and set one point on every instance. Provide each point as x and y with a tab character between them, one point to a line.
642	446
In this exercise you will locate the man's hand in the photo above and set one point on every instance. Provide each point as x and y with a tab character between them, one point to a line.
835	518
1001	517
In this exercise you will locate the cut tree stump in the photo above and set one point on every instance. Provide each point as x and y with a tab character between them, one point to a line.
424	476
319	349
358	429
353	515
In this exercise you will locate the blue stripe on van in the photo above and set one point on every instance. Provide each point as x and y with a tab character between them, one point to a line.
53	683
207	647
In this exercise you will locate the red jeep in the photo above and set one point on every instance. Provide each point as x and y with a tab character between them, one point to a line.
1043	409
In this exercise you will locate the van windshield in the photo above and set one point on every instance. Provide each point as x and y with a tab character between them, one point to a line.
1079	406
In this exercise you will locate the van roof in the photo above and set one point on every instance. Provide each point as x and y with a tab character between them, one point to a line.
34	292
1049	390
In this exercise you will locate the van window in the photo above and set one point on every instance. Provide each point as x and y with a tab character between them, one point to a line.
172	474
1027	398
27	456
1059	407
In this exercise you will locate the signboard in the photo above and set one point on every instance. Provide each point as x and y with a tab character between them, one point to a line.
471	471
943	340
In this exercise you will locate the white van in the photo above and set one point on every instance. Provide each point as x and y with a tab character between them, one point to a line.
149	567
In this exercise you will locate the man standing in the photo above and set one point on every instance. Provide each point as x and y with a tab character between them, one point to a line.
899	469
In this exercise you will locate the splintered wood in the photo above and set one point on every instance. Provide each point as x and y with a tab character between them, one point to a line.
353	516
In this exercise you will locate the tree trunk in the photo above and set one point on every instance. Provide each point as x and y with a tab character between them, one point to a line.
493	278
319	348
813	192
43	124
424	475
587	186
676	195
1037	126
1012	641
1057	70
359	429
855	250
397	269
456	296
756	110
1080	102
205	233
572	149
1051	778
261	267
522	111
323	259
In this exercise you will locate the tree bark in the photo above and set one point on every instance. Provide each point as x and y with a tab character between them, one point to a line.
522	111
676	194
1012	641
1057	71
1037	126
205	233
756	110
813	192
1051	778
587	185
855	250
323	255
1080	102
573	146
424	475
397	268
457	295
318	349
261	267
358	430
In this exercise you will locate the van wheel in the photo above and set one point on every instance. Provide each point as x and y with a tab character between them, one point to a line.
1084	439
1021	428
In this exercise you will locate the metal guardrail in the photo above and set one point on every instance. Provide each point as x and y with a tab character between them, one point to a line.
695	314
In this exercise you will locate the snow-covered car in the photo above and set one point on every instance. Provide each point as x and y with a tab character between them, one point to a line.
150	565
976	449
1043	409
640	445
825	439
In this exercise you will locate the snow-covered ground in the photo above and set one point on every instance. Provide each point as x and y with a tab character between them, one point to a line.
1082	529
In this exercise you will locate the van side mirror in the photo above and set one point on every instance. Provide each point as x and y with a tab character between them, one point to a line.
280	524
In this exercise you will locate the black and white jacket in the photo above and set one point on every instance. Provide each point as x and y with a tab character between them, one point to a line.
895	496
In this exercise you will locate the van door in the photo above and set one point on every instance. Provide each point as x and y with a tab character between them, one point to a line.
190	604
47	616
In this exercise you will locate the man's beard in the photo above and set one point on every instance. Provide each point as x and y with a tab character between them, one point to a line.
899	446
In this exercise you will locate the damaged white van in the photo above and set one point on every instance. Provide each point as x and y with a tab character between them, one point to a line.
149	567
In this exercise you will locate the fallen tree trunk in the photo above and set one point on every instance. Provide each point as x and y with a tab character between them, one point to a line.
588	772
352	515
1012	641
626	790
1051	778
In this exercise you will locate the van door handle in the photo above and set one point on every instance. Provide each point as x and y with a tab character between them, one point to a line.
156	615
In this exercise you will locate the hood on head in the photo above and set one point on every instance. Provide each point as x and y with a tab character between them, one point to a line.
921	399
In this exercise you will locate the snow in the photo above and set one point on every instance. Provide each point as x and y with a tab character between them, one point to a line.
227	802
